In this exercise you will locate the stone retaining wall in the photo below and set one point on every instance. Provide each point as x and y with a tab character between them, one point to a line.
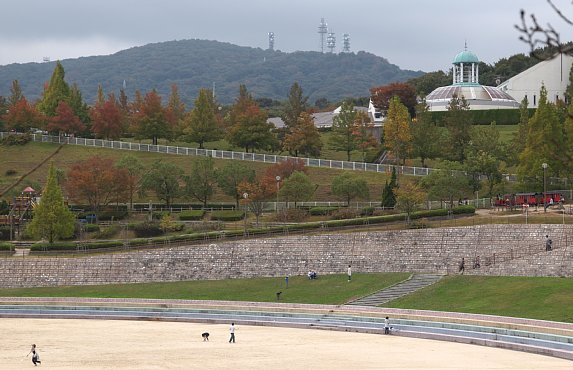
427	250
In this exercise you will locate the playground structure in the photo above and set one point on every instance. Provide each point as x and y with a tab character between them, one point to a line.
20	211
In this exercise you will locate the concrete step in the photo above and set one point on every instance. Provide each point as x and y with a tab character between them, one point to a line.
416	282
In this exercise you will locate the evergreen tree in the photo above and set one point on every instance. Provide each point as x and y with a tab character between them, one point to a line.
57	90
458	123
295	105
78	105
52	219
520	138
388	195
427	139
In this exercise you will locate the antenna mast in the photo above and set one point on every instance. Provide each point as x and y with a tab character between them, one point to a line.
331	42
322	31
271	41
346	43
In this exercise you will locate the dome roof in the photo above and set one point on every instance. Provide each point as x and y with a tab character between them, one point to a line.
465	56
478	97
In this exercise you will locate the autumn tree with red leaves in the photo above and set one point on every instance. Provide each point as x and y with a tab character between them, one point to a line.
21	116
107	119
65	121
382	95
285	169
150	119
259	191
97	181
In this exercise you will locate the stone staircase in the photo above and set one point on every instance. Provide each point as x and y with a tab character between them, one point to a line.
412	284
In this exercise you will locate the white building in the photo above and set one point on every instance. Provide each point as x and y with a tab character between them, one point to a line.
552	73
466	83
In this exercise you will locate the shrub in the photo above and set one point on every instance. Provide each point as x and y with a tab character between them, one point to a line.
193	215
5	232
10	172
322	211
227	215
6	246
345	213
206	226
367	211
70	246
292	215
91	228
147	229
160	214
167	224
108	232
109	215
16	139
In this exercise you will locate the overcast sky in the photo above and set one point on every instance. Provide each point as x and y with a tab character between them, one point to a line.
413	34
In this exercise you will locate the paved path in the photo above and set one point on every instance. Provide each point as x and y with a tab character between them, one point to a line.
414	283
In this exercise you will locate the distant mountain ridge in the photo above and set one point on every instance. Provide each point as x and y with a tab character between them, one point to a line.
195	64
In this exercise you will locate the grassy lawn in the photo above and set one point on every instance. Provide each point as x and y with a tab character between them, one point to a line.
327	289
530	297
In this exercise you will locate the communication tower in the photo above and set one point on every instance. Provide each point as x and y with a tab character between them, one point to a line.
346	43
271	41
331	41
322	31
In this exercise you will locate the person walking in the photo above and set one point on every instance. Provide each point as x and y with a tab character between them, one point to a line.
349	272
548	243
35	355
232	331
462	266
387	325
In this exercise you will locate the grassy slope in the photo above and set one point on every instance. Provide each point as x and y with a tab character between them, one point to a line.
327	289
530	297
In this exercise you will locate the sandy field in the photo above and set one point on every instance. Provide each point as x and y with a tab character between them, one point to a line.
102	344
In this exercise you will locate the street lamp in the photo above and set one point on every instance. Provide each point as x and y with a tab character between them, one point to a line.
245	197
544	165
278	178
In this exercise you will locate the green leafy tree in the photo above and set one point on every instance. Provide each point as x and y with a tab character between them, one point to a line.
296	104
15	93
56	91
202	180
78	105
248	126
342	128
201	125
397	133
545	143
427	138
175	112
231	176
348	186
447	184
52	219
479	162
409	198
458	122
297	188
388	192
164	179
520	138
304	139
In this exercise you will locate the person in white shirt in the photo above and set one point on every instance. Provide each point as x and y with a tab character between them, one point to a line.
232	331
349	273
386	325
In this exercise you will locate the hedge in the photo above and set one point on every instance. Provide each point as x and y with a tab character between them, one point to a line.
486	117
322	211
61	246
6	246
91	228
227	215
147	229
194	215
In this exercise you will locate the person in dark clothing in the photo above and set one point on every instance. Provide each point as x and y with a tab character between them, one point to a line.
462	266
35	355
548	243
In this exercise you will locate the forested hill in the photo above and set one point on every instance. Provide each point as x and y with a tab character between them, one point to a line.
195	64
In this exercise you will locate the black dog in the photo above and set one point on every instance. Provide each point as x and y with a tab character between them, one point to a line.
205	337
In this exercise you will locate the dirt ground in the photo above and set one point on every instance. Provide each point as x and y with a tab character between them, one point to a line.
102	344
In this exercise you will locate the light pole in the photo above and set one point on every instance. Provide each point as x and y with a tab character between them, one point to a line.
544	165
278	178
245	197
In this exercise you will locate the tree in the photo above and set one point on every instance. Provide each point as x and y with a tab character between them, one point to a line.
383	95
349	186
15	93
397	134
447	184
458	122
175	111
150	121
388	194
248	126
545	142
96	181
479	162
296	104
78	104
362	133
22	116
231	176
303	139
164	180
409	198
107	119
52	218
285	169
427	138
201	125
342	137
56	91
202	180
134	171
64	121
297	188
520	138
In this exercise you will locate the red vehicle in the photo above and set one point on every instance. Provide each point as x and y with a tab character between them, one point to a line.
531	199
